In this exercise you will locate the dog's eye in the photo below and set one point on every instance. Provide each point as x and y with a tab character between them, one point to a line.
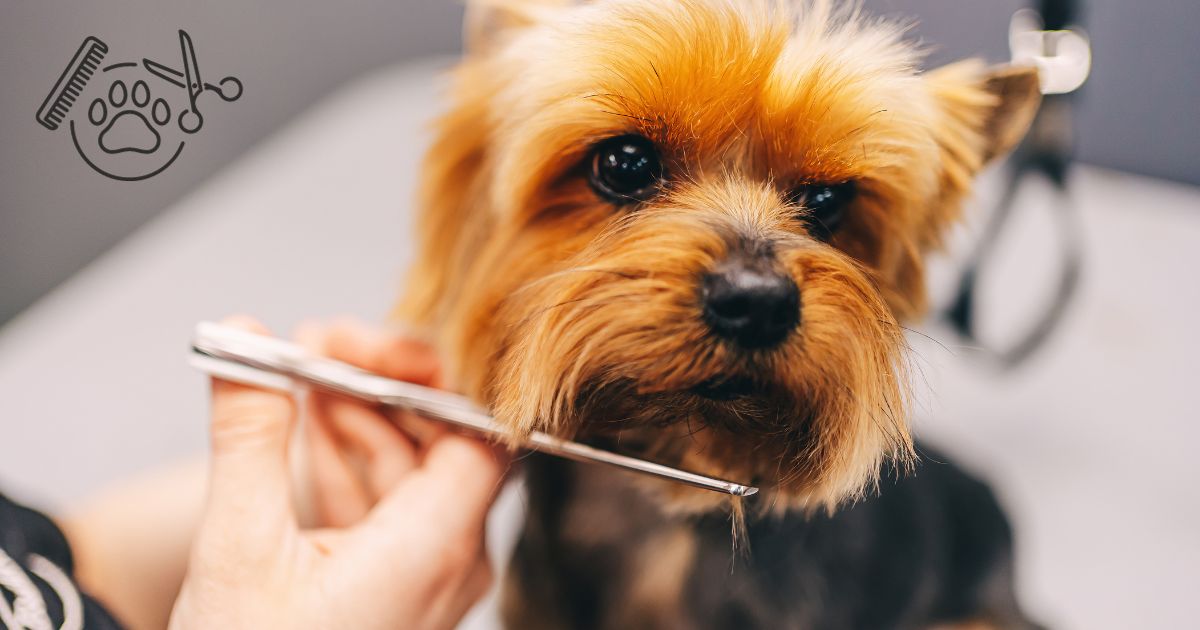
626	169
824	206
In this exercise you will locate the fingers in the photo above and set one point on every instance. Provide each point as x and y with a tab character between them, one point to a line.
478	582
383	352
432	500
335	486
384	452
470	468
458	479
472	586
358	453
249	431
335	489
452	474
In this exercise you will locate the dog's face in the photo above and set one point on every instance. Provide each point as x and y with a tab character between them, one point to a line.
689	228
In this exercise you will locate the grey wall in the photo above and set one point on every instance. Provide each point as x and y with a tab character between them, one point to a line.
1139	110
56	214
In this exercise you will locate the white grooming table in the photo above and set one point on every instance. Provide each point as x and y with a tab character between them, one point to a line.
1090	445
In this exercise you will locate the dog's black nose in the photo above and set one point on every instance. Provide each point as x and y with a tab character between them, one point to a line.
753	307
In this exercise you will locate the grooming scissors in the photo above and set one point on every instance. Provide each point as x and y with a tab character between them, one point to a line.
228	88
241	356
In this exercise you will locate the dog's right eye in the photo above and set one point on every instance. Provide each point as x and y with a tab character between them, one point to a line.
824	206
626	169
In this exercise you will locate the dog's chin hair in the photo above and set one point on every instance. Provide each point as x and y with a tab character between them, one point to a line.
581	339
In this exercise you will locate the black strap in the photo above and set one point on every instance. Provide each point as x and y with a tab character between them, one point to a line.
1047	152
1058	15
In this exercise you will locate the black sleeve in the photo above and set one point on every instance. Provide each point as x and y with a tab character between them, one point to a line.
37	587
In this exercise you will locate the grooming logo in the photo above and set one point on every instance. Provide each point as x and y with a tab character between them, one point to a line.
129	121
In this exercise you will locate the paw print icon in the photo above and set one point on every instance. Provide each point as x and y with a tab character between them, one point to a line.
129	129
128	119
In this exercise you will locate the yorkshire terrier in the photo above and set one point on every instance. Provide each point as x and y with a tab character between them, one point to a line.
690	230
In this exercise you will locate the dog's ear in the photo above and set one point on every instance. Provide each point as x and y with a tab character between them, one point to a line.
986	111
488	23
1019	94
980	114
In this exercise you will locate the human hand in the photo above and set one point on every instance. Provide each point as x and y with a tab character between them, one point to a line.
407	552
349	455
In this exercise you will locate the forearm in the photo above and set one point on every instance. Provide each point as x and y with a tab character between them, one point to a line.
131	542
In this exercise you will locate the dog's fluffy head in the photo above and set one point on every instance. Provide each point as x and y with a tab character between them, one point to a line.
584	311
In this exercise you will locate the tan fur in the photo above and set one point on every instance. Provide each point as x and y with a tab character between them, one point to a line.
656	594
566	314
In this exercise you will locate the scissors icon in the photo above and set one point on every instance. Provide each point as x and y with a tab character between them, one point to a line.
190	119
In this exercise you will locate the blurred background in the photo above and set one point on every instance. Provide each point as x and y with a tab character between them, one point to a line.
294	201
56	214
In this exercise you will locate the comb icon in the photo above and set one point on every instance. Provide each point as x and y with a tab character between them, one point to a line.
70	84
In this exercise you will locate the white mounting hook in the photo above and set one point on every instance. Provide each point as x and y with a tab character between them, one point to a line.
1063	58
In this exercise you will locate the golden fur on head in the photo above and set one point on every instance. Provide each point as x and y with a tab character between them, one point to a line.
566	313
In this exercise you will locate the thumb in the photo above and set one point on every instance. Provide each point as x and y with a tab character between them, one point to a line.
454	487
250	431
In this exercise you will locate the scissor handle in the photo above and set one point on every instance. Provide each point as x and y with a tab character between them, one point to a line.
229	88
190	121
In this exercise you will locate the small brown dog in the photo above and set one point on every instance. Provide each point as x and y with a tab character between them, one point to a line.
689	230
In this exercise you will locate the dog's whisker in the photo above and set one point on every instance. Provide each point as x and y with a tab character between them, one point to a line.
630	116
533	284
580	300
935	340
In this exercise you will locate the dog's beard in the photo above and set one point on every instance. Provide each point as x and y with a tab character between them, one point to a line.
612	348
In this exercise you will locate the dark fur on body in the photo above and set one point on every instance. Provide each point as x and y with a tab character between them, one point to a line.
932	548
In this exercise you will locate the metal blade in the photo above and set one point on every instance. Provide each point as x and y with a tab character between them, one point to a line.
166	73
264	361
191	70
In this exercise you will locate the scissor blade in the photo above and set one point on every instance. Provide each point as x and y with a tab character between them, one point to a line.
246	357
166	73
191	70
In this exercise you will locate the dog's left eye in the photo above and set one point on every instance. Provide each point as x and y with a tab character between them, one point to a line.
824	206
626	169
